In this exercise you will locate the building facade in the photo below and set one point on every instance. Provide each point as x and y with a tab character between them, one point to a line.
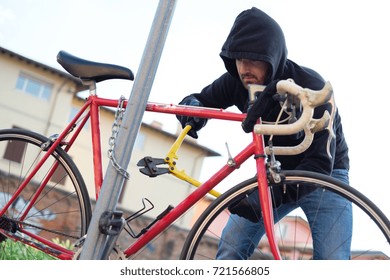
43	99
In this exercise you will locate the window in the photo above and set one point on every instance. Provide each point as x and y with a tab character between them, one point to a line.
59	176
34	87
14	151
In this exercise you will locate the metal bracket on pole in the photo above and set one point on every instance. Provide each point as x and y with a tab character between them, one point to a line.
97	241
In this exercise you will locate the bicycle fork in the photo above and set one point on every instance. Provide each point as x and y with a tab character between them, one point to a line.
265	195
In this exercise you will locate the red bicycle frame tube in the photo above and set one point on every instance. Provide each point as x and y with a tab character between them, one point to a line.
190	201
265	195
194	111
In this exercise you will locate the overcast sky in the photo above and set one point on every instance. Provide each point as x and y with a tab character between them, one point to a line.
345	41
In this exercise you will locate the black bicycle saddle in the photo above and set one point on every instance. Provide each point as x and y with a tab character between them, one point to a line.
91	70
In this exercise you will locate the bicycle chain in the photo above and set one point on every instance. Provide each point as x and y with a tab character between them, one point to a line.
112	140
17	222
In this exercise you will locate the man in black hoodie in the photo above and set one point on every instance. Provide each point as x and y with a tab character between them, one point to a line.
255	53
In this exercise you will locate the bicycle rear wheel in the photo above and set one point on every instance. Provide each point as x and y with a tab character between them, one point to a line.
370	236
53	220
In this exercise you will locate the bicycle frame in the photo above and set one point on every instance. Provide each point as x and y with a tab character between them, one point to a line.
90	110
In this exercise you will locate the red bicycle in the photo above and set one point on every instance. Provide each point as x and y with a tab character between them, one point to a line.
45	205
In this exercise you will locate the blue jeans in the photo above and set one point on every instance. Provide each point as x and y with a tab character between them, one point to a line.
329	228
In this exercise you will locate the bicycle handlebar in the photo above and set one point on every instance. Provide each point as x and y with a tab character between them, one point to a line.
310	99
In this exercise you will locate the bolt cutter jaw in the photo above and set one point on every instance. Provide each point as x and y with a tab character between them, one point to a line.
150	168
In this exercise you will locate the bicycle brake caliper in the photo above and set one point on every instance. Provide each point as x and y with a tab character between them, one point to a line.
274	167
50	141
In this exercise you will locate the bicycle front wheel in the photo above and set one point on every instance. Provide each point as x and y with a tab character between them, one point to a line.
370	231
43	219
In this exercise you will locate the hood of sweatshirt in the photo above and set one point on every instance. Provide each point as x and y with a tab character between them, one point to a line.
255	36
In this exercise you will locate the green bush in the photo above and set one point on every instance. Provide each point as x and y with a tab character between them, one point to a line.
10	250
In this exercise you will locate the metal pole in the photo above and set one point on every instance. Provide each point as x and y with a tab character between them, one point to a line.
96	242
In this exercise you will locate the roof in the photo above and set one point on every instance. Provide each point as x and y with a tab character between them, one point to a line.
45	67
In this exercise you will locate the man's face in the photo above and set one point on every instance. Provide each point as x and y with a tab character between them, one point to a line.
252	71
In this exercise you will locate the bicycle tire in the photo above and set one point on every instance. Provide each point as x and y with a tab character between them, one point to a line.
61	213
202	240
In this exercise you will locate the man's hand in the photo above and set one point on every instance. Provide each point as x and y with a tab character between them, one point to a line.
262	105
196	122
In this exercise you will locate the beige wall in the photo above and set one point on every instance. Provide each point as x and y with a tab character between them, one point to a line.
49	117
26	110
